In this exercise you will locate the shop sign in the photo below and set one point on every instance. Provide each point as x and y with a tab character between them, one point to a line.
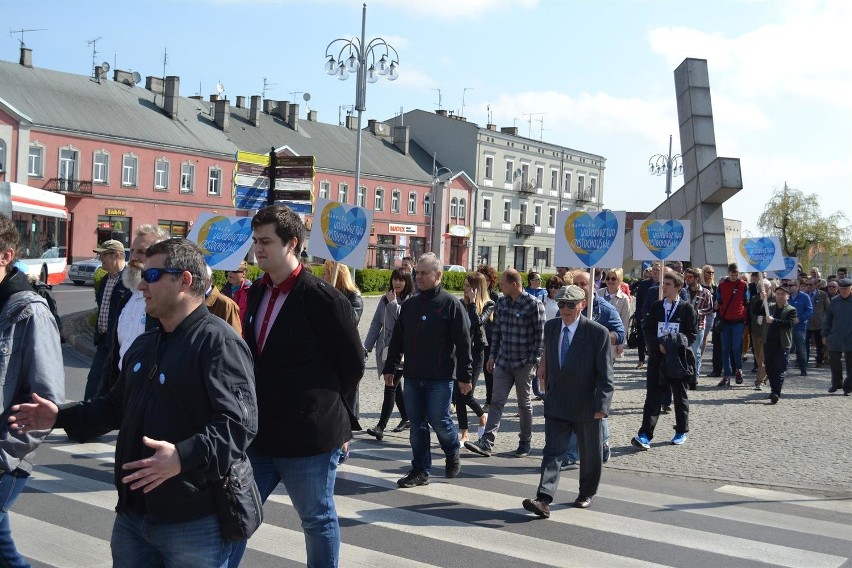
397	229
116	212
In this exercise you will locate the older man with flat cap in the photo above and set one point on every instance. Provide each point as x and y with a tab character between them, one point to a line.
576	375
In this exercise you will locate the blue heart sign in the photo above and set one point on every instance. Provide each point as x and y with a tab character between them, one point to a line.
341	233
223	240
661	239
791	269
758	254
590	239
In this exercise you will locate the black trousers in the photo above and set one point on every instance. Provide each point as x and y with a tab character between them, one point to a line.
835	359
775	358
654	392
463	401
489	376
393	394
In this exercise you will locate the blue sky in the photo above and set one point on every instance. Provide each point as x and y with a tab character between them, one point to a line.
601	73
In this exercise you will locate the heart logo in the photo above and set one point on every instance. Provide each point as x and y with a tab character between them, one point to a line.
591	236
342	230
758	252
220	237
662	239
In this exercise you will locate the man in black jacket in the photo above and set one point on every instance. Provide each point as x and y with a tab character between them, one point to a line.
308	357
185	409
433	332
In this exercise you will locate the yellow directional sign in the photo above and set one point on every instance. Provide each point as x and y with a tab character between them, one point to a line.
252	158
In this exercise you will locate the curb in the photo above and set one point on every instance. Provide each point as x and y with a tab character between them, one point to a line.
77	333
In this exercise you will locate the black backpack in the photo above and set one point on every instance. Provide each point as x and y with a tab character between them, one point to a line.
43	290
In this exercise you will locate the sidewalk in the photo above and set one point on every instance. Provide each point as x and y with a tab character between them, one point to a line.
735	434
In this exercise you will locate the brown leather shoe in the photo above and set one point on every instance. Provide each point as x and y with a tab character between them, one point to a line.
582	502
540	508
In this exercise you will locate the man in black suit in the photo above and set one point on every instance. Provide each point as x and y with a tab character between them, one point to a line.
577	377
307	357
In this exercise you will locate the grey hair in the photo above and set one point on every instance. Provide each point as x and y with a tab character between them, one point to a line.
431	259
158	232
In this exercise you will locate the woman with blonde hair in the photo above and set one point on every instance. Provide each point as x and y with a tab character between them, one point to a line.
480	309
614	294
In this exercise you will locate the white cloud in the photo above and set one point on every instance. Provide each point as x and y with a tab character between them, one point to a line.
457	9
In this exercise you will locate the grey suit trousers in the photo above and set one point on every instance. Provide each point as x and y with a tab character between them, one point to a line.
556	435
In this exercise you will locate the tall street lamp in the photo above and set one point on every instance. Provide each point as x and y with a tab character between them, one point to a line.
669	166
360	53
440	177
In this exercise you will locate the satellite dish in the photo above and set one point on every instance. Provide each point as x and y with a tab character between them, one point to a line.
105	66
220	88
307	97
136	77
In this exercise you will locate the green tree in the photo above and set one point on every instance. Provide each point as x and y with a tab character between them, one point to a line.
796	218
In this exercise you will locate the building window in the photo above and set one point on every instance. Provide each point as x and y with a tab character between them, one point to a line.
67	164
551	218
554	179
361	197
463	209
489	167
187	178
507	211
593	187
161	175
214	182
486	209
343	192
580	181
35	167
510	170
454	208
173	228
412	203
129	170
395	197
427	205
325	189
525	174
100	168
379	199
523	219
567	185
539	177
2	156
537	216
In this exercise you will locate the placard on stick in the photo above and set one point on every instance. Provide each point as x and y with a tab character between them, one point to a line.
589	239
661	239
340	233
223	240
758	254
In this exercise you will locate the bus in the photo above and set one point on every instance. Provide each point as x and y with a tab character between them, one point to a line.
42	222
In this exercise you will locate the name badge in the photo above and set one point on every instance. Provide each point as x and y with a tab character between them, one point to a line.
664	329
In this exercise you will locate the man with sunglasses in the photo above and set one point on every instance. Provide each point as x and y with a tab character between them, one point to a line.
576	371
111	254
185	410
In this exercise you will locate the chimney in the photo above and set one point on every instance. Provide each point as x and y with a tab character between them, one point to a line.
154	84
441	112
281	110
268	105
312	116
351	122
26	57
513	130
294	116
125	77
214	98
172	98
401	138
491	127
241	102
222	116
254	113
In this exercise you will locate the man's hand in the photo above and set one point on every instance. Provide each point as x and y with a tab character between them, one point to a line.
662	348
490	365
151	472
612	338
599	415
619	349
464	388
37	415
389	379
770	319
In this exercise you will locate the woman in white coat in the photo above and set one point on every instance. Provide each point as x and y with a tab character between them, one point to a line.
614	294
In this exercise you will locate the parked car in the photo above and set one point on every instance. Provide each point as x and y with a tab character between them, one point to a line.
454	268
83	272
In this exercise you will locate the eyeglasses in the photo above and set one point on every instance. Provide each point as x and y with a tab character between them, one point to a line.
236	272
569	305
151	275
612	279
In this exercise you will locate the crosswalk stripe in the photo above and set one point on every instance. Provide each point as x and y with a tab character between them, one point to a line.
58	546
837	505
734	513
616	524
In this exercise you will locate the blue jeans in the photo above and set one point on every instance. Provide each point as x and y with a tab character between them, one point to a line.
310	484
573	454
428	404
799	348
732	344
11	485
142	541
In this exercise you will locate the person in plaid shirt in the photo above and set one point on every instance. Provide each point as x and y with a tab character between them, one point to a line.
516	343
702	301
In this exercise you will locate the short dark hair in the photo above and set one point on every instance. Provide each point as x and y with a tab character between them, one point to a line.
288	225
9	238
408	258
512	276
675	277
405	276
694	271
733	267
183	255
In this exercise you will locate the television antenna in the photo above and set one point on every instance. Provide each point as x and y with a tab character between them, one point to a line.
94	44
464	92
267	86
439	98
13	32
530	116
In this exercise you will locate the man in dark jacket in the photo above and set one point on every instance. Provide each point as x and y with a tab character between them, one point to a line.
576	371
185	409
307	357
777	337
433	332
671	315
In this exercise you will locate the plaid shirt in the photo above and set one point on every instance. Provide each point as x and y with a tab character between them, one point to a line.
702	301
518	333
103	310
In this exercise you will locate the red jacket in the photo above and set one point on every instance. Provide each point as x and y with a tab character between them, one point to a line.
732	307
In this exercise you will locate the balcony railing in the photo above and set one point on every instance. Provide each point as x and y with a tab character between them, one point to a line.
584	195
522	230
526	188
69	186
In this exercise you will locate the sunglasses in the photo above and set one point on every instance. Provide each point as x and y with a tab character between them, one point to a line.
569	305
611	279
151	275
236	272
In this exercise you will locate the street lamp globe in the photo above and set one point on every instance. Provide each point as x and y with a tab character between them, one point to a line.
331	66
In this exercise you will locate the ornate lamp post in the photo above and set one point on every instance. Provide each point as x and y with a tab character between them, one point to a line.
360	55
440	176
667	165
